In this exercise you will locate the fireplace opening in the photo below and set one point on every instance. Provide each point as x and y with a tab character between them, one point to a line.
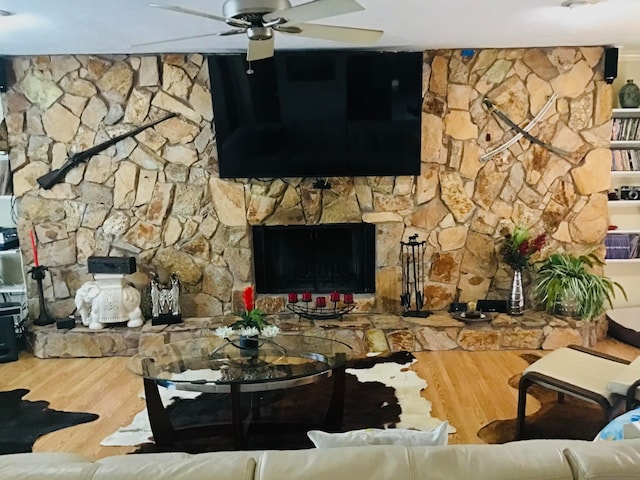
316	258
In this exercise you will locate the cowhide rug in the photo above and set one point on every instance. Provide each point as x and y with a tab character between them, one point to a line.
369	403
23	421
572	419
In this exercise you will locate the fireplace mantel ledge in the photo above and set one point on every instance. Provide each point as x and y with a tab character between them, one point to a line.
365	333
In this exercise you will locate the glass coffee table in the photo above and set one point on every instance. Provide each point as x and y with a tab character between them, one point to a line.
215	365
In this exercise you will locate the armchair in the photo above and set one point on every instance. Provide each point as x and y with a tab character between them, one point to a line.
610	382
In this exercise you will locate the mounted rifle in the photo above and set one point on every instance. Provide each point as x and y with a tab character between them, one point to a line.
56	176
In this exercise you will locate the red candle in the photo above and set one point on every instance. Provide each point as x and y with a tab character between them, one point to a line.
34	249
321	302
335	296
348	298
306	296
293	298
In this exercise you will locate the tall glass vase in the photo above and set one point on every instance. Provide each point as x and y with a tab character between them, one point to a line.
516	296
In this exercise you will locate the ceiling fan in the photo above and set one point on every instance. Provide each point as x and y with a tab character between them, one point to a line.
258	19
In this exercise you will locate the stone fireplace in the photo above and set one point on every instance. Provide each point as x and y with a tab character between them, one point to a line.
159	197
315	258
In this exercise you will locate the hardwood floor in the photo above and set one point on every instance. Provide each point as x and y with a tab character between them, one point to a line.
469	389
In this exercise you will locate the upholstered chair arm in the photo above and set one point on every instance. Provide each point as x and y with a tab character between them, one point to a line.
595	353
632	397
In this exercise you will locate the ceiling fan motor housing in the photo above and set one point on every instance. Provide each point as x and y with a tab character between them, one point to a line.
247	9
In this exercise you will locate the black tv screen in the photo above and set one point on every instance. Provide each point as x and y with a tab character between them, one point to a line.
317	114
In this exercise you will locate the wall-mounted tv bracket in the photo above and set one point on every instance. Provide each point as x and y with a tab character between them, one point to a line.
521	132
321	184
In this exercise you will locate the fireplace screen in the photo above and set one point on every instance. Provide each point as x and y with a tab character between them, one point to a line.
317	258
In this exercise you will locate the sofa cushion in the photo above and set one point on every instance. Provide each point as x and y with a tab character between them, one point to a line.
49	466
178	466
379	462
377	436
525	460
592	461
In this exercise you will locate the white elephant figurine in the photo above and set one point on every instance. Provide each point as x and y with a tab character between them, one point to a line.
108	299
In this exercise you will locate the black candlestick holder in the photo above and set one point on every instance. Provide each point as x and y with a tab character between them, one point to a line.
38	274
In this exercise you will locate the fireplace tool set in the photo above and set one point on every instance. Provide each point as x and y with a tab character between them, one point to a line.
412	260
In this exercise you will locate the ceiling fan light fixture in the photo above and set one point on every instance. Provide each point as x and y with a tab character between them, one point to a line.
259	33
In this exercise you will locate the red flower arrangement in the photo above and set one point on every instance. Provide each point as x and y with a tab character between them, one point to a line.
247	297
517	248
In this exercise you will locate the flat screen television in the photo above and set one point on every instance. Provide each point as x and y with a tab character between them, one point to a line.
317	114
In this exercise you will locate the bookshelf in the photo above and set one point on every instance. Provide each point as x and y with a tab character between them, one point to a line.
623	242
12	281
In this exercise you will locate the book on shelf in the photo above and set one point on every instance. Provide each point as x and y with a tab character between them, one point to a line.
622	246
625	160
618	246
626	129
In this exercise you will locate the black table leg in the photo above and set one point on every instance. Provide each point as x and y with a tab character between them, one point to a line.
333	418
239	436
163	431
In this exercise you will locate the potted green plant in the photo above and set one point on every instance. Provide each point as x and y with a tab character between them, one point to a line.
565	284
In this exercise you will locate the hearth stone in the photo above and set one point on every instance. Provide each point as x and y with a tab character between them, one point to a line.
365	333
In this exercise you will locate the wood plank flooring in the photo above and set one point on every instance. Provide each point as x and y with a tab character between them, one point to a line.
469	389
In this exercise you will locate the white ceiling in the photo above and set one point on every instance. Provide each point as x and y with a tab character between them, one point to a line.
113	26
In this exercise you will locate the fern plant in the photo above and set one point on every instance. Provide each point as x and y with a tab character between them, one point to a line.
565	278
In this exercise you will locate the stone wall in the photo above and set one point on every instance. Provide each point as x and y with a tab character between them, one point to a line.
158	197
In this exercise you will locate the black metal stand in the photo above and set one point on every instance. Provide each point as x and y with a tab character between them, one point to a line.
37	274
320	313
412	258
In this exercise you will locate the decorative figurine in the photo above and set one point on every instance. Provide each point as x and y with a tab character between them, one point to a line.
108	299
165	301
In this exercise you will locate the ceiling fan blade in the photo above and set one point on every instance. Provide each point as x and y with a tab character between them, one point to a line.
235	31
173	39
360	36
231	21
259	49
314	10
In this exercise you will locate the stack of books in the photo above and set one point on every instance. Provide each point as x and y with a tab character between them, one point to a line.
621	246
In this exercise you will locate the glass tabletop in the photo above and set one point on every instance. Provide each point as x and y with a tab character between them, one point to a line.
212	364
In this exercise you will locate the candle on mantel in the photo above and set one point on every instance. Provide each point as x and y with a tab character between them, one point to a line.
293	297
321	302
348	298
335	296
34	249
306	296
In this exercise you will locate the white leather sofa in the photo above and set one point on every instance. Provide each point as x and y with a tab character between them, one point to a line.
526	460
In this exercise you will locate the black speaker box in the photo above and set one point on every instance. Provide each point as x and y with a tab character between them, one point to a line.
492	306
4	78
8	341
610	64
124	265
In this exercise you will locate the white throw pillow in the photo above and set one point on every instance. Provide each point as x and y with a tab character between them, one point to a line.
377	436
